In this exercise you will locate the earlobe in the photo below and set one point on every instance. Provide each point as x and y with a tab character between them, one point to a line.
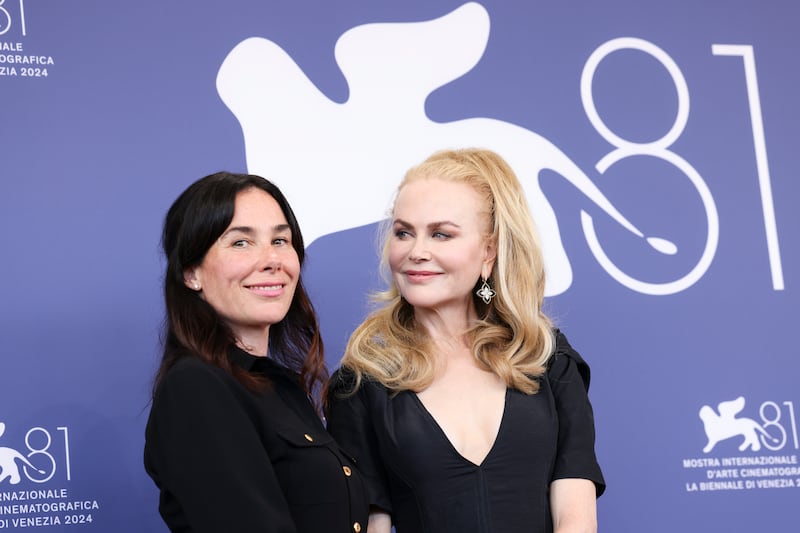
190	279
488	268
491	257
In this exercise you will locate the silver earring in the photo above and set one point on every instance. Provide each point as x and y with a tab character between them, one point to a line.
485	292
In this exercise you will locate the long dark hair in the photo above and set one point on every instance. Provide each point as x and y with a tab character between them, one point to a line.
192	327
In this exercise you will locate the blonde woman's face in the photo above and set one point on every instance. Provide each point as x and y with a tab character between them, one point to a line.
438	248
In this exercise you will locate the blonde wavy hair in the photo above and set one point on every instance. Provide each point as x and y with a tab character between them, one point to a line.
513	337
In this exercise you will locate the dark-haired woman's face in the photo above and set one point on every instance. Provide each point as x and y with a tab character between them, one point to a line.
250	273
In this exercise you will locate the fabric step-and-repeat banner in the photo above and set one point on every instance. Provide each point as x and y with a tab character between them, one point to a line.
657	143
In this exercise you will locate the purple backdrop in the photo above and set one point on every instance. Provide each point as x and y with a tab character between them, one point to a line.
656	142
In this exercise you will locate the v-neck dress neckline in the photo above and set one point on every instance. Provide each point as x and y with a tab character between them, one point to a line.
437	427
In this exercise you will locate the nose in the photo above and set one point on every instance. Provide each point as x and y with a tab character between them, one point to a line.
419	251
271	260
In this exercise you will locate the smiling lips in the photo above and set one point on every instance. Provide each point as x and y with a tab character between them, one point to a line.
419	276
267	289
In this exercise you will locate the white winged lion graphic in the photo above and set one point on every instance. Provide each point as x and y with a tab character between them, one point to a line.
725	425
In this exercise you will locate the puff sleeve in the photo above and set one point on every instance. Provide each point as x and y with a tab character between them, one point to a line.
568	376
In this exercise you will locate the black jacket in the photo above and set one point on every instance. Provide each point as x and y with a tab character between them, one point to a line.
226	459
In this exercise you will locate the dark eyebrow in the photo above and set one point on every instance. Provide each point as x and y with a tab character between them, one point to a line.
247	230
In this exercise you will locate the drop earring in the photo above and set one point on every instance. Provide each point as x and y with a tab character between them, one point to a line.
485	292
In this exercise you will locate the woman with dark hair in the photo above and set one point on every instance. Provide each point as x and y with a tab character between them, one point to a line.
234	440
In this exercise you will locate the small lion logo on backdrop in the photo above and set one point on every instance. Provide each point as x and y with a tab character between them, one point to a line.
725	425
8	462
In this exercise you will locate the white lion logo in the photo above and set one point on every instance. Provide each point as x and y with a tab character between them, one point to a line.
725	425
8	462
338	163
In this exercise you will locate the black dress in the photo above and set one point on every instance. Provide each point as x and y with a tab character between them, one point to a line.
416	475
228	460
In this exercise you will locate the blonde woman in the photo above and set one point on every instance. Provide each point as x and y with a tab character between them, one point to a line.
465	409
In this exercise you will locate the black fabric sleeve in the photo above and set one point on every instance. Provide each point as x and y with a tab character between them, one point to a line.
350	422
208	458
568	376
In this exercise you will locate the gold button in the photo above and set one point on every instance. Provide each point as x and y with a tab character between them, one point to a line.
347	471
357	527
308	437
